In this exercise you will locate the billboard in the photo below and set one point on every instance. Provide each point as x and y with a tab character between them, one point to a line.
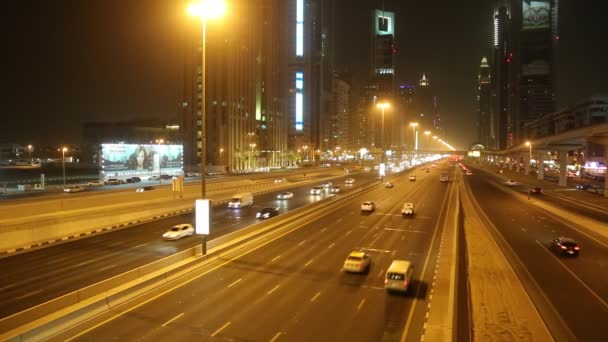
141	159
536	14
384	23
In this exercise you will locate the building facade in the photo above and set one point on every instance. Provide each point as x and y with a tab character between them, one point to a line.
485	135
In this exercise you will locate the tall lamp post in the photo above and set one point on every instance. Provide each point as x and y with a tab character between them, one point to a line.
414	125
29	148
204	10
529	144
251	156
160	173
382	106
63	151
427	133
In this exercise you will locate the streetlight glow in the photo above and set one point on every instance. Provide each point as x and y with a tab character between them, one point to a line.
207	9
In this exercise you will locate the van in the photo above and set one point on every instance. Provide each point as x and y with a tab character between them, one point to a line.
241	200
399	276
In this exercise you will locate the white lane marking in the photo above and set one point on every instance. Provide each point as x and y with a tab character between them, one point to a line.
7	287
301	243
333	244
271	291
276	336
29	294
348	232
86	262
315	297
574	275
340	220
115	243
220	329
107	267
380	273
405	230
235	282
56	261
376	250
308	263
172	319
323	229
361	304
143	244
523	229
275	258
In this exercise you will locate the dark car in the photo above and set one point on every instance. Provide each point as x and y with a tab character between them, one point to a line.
536	191
165	177
267	213
584	186
565	246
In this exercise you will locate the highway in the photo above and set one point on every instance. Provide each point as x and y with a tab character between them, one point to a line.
571	294
37	276
292	288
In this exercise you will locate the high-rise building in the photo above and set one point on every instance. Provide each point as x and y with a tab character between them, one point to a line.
383	76
426	105
405	108
485	135
502	68
535	28
245	121
340	118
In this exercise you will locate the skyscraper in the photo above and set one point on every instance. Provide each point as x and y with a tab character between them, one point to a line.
535	27
502	70
485	124
383	75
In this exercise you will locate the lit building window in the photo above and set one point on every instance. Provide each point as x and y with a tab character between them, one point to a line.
300	28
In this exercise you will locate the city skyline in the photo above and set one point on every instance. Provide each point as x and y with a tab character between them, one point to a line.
111	61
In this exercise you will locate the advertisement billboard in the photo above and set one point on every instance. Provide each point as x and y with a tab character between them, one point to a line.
141	159
536	14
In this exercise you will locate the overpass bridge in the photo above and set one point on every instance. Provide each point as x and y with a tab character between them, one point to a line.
589	142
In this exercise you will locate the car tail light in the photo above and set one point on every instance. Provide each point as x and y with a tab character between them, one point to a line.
385	281
404	283
563	247
576	248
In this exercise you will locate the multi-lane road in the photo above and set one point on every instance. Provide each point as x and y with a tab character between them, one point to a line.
293	288
571	294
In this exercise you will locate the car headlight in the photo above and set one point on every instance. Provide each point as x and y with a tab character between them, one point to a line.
257	215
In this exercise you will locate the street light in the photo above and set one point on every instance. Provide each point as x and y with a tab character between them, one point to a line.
382	106
206	9
63	151
251	154
414	125
221	159
160	174
427	133
29	147
529	144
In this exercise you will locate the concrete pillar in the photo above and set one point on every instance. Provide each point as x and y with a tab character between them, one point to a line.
540	163
527	165
510	164
563	171
517	161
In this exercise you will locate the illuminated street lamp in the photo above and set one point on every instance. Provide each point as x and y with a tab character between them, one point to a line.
221	151
158	143
427	133
414	125
63	151
205	9
529	144
29	148
382	106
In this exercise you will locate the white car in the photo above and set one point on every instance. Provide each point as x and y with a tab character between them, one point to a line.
412	178
358	262
349	181
327	185
74	188
511	182
368	206
285	195
388	185
408	209
317	190
469	172
95	183
114	181
179	231
335	189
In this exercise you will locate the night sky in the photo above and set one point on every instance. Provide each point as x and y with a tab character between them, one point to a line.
68	62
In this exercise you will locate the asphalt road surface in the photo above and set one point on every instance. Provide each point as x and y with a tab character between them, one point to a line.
293	289
37	276
574	300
